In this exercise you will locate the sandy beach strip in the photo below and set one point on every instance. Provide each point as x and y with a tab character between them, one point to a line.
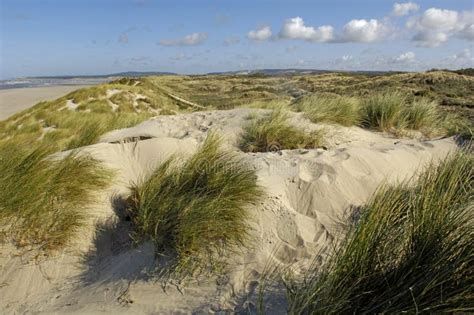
16	100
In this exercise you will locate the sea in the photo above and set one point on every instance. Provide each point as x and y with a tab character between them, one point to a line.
42	82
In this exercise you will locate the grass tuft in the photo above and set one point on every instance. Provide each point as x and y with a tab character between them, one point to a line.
43	202
336	109
423	115
196	211
410	252
384	111
273	133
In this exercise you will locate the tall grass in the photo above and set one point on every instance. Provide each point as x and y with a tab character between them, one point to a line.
196	211
335	109
384	111
90	128
410	252
43	202
274	132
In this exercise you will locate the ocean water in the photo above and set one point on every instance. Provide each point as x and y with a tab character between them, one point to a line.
39	82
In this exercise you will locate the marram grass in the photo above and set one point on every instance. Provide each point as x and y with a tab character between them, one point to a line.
196	211
411	251
384	111
335	109
274	132
44	201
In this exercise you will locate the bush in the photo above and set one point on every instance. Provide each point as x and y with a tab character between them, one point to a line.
336	109
273	133
196	211
411	251
43	202
384	111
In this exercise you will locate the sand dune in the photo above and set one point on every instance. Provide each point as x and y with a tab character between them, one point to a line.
309	193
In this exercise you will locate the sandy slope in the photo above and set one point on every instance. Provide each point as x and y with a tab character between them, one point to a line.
309	193
15	100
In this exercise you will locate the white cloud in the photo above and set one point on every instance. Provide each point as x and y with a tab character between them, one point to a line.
189	40
406	57
435	26
467	32
295	28
347	58
261	34
363	31
464	55
402	9
430	39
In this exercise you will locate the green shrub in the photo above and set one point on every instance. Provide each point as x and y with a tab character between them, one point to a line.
411	251
196	211
383	111
336	109
273	133
43	202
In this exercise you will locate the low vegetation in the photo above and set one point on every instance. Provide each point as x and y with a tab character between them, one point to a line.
81	117
196	211
274	133
384	111
411	251
43	202
335	109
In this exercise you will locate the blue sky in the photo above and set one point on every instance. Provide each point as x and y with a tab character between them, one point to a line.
104	36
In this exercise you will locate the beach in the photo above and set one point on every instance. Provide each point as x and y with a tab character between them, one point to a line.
15	100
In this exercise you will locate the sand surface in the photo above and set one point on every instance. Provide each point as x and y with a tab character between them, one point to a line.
16	100
309	194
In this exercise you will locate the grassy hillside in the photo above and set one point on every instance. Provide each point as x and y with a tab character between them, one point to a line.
80	117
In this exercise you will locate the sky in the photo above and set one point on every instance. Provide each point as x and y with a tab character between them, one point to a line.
85	37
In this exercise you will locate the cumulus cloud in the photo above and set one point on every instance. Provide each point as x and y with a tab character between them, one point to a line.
363	31
188	40
402	9
406	57
261	34
295	28
435	26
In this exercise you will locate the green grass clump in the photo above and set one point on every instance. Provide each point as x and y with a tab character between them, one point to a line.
423	115
273	132
196	211
384	111
43	202
411	251
336	109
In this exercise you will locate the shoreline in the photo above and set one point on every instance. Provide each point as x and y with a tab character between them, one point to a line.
15	100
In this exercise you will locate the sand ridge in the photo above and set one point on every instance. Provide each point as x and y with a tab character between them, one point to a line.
309	194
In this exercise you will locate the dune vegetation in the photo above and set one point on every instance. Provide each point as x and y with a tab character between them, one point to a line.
411	251
44	201
333	109
81	117
196	211
274	133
